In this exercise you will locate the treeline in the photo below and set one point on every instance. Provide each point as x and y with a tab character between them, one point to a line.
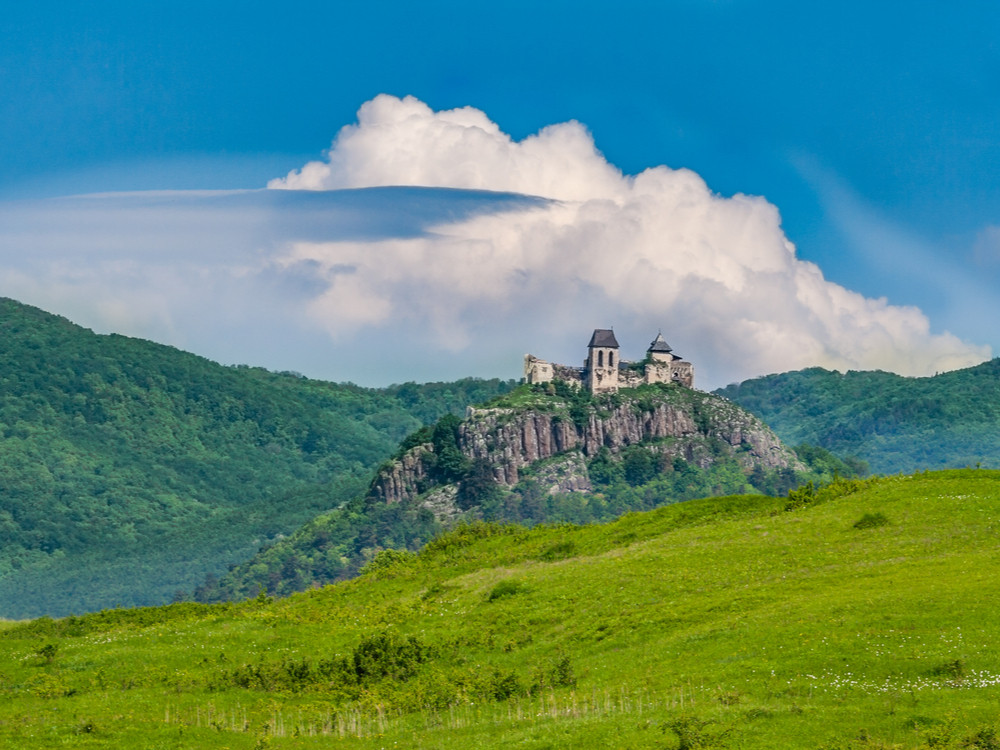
894	423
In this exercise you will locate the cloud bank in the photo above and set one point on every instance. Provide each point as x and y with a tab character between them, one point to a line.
431	245
653	251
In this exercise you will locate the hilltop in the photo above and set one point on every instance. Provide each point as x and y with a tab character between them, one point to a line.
862	615
130	470
894	423
544	453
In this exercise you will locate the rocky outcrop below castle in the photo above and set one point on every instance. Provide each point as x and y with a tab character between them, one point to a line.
669	421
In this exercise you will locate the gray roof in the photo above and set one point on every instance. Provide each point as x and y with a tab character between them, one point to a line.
604	337
659	345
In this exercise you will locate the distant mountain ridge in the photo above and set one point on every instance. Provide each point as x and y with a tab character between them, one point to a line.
129	470
895	423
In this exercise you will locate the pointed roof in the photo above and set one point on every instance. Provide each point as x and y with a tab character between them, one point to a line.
604	337
659	345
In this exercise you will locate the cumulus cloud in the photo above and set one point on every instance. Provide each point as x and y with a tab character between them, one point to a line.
644	252
431	245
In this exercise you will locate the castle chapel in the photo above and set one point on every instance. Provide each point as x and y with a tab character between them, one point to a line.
604	371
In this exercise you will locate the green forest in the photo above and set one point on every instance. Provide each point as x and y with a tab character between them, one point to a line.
130	470
894	423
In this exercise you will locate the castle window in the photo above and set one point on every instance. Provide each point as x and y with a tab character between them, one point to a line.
611	359
600	359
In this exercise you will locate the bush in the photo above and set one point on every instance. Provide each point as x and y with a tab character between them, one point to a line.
558	551
465	534
387	560
693	733
952	670
503	685
871	521
387	654
559	674
505	588
809	494
639	464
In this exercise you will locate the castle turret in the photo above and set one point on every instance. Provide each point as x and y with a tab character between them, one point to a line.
601	367
663	366
660	351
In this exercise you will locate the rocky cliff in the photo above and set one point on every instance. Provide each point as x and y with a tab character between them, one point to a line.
535	426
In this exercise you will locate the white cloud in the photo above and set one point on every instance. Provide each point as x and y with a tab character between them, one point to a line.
404	142
341	277
655	250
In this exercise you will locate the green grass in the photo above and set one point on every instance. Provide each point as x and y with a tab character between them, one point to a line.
726	622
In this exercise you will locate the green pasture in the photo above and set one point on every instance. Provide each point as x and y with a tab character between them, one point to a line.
867	620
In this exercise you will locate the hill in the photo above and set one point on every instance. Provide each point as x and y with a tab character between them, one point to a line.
896	424
542	453
861	616
129	470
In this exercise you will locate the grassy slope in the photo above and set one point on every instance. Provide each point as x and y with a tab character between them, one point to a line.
778	629
894	423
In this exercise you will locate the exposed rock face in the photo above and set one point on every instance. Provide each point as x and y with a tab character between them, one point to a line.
567	473
511	440
400	480
441	501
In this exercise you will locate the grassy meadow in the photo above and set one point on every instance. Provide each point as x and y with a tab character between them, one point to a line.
867	619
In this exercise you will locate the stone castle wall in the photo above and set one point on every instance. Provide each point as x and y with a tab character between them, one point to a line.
657	371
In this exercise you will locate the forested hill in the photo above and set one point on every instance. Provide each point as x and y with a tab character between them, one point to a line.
539	454
894	423
129	470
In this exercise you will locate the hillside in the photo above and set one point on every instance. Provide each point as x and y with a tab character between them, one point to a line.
129	470
538	454
864	617
896	424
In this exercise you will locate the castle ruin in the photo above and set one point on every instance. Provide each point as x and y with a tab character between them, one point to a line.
604	371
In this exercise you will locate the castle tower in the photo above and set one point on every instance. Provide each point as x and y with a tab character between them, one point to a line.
601	367
663	366
659	350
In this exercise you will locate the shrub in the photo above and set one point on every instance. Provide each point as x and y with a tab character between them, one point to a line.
503	685
387	560
952	670
871	521
639	465
809	494
986	738
387	654
558	551
465	534
48	652
693	733
478	487
505	588
559	674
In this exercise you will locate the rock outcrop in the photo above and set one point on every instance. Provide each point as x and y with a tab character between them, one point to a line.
678	422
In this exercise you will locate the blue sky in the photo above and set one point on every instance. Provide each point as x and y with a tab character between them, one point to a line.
873	128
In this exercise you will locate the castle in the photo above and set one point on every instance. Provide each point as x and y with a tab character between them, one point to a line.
604	371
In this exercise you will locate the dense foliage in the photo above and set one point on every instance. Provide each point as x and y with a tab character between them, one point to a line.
129	470
891	422
861	617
